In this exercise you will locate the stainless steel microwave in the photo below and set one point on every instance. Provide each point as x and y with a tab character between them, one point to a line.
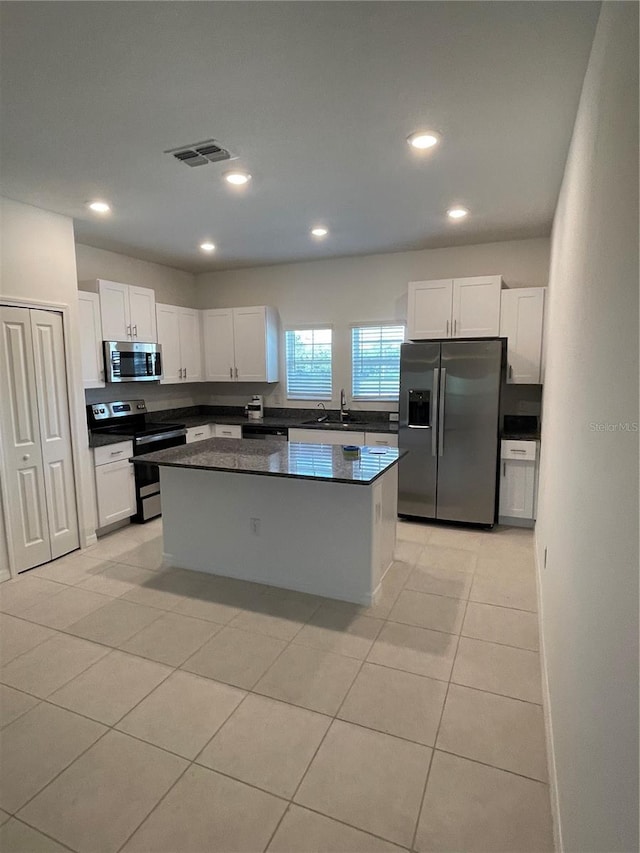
132	361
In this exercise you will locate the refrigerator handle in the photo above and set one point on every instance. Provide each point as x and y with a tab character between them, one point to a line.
443	385
434	409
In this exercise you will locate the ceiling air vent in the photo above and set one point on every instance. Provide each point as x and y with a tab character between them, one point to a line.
200	153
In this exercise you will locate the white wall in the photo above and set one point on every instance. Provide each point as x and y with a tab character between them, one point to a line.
588	504
38	264
344	291
172	286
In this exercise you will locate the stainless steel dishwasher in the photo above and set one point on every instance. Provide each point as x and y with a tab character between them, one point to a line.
263	432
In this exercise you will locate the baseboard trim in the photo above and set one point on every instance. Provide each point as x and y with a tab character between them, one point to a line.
548	721
90	539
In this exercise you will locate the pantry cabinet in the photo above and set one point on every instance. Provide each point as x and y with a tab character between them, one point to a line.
454	308
92	362
179	333
518	482
521	322
241	344
128	313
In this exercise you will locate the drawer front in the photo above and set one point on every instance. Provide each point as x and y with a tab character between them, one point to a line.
381	439
512	449
228	431
112	453
198	433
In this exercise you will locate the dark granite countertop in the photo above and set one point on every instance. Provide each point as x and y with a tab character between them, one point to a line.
294	460
277	418
514	436
97	439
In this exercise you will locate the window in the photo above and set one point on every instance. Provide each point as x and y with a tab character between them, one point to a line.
308	354
375	358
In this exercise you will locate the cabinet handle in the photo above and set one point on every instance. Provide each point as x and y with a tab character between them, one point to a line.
129	330
135	331
236	372
185	373
231	373
510	372
447	335
504	469
455	324
116	452
515	450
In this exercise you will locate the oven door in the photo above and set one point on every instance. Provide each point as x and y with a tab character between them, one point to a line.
147	476
131	361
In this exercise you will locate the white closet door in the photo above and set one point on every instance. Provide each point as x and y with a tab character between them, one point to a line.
26	513
55	431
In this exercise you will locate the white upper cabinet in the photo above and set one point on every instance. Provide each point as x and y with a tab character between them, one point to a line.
180	338
128	313
90	340
241	344
476	307
454	308
430	304
521	322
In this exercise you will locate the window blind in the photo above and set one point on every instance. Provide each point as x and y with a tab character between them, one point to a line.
308	358
375	359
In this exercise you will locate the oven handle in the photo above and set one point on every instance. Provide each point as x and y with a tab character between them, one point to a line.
162	436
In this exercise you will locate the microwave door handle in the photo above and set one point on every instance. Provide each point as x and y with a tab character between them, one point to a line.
434	405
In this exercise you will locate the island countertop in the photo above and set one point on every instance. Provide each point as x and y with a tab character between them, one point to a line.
278	459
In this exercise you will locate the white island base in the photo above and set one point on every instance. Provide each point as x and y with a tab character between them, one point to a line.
322	537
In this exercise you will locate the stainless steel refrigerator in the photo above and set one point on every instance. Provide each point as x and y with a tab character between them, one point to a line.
449	422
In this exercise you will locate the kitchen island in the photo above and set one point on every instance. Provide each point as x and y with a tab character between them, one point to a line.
305	517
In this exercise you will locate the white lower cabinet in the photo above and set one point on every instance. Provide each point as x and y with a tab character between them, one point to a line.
381	439
199	433
518	482
115	486
227	430
326	436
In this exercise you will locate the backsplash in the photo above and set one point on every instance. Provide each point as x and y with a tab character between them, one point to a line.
155	396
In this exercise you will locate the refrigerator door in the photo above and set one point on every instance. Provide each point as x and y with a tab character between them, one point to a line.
417	429
469	404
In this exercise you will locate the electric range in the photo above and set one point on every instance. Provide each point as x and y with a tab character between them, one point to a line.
129	419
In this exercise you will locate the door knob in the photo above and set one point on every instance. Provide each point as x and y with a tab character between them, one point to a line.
25	458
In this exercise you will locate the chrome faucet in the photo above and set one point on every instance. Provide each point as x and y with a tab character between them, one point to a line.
324	416
344	412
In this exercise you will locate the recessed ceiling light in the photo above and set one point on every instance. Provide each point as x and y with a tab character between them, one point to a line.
423	139
99	206
457	212
237	178
319	231
208	247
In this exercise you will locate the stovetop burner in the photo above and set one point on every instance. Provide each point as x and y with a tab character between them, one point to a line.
128	417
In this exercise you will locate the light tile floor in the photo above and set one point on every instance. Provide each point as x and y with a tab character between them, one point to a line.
146	709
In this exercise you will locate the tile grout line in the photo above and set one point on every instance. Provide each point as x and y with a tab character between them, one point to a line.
437	734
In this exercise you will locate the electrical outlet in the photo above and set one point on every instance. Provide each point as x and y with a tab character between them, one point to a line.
254	523
394	417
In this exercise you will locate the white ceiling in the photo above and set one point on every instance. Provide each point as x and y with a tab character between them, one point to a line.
316	100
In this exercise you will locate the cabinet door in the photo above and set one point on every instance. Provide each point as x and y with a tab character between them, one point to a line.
55	431
218	345
90	340
169	338
26	510
381	439
521	319
114	310
250	344
429	309
517	488
115	491
142	306
476	307
190	345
